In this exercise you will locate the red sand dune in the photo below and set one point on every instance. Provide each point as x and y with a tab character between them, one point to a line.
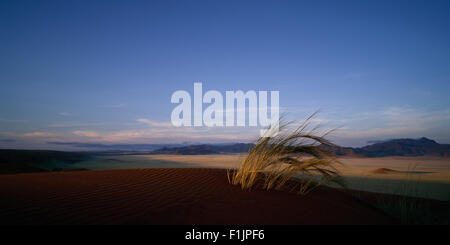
168	196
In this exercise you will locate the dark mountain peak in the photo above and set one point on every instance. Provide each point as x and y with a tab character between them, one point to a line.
421	141
405	147
426	140
395	147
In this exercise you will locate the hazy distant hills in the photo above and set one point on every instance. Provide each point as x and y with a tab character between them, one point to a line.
20	161
204	149
25	161
394	147
98	147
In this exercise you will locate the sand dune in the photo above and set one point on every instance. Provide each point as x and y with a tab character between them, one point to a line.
168	196
392	171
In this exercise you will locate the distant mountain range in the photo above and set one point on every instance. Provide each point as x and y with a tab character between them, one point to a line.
394	147
22	161
83	146
205	149
397	147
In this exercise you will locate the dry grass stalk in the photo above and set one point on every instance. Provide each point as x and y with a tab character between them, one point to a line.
275	160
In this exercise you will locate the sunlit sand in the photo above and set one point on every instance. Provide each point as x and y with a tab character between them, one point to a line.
429	168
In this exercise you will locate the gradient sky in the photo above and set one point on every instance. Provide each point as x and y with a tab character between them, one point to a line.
104	71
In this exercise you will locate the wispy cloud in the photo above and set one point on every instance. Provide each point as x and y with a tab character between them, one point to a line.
164	132
65	114
152	123
353	129
39	134
74	124
86	133
394	122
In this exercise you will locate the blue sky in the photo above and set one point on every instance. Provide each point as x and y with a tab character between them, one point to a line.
104	71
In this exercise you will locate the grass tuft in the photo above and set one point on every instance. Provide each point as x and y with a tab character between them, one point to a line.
297	152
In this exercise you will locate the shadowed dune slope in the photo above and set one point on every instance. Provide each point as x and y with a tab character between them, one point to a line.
168	196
